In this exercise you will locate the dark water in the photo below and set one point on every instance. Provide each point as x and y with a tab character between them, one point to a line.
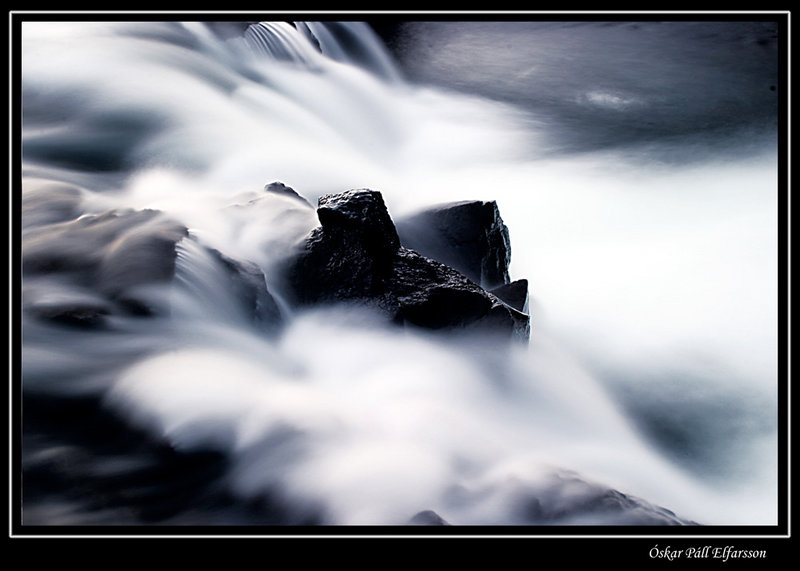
641	87
635	165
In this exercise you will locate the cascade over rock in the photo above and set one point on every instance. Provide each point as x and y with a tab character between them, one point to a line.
569	499
117	256
280	188
78	272
247	285
355	255
47	201
468	236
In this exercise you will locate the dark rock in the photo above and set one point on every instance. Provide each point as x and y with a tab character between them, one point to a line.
569	500
122	261
65	306
427	517
89	316
47	202
355	256
75	246
428	294
99	247
140	257
84	461
351	255
361	212
119	255
468	236
79	449
514	294
280	188
248	286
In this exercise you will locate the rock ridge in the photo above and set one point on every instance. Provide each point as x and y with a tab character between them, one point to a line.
355	255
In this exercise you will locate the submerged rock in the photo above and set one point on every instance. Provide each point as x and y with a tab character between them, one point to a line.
248	286
427	517
79	272
61	304
356	256
83	463
468	236
140	258
280	188
570	500
122	255
47	201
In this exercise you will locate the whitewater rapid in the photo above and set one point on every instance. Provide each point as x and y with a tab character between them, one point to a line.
652	365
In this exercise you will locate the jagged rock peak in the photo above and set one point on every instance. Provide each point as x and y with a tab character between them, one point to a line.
362	210
356	256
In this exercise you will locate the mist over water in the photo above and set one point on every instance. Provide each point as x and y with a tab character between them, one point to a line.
647	235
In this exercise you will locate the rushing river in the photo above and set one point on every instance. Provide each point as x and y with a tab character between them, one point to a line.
635	165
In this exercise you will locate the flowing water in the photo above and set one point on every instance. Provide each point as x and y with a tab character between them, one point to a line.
635	166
